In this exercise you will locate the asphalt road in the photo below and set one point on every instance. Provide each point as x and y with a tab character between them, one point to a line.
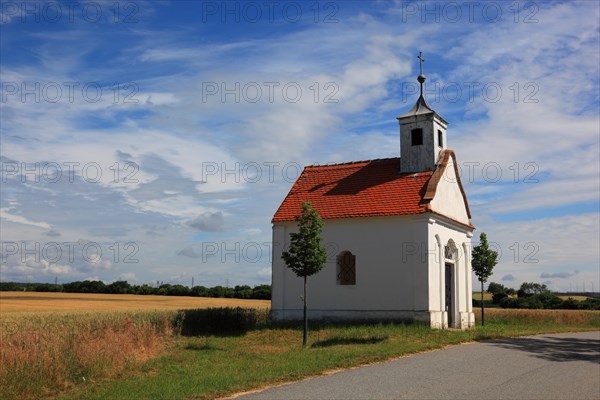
553	366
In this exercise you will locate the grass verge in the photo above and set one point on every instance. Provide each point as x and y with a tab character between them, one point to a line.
211	366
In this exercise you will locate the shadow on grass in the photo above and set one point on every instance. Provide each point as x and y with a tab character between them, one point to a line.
197	346
335	341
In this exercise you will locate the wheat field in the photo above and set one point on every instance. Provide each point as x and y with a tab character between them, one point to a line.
12	303
50	342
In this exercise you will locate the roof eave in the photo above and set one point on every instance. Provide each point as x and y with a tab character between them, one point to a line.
468	226
355	216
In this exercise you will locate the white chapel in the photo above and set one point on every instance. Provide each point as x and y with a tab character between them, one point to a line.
397	231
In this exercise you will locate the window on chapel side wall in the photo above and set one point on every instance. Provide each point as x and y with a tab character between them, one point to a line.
346	267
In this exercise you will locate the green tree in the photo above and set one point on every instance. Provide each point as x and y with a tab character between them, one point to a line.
118	287
483	263
200	291
306	255
262	292
498	292
531	288
495	288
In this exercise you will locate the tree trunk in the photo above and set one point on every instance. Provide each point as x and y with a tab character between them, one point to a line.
305	335
482	306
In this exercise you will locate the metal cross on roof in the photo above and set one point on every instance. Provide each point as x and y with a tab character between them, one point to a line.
421	78
421	61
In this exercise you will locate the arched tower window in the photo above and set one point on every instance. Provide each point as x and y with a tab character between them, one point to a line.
346	268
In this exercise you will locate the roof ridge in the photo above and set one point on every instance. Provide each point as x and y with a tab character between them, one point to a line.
351	162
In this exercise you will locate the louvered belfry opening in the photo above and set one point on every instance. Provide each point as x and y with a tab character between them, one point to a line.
346	268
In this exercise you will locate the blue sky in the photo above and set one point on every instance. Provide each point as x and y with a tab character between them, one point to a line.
154	141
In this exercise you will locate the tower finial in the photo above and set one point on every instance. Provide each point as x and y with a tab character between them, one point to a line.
421	78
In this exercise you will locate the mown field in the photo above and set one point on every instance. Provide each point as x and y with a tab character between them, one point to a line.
157	352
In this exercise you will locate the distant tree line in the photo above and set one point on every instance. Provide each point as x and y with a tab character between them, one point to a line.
261	292
536	296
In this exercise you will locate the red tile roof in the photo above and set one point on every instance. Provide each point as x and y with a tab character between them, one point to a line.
359	189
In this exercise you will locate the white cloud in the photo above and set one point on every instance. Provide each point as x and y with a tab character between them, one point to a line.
207	222
30	266
264	273
189	251
529	249
128	276
558	275
18	219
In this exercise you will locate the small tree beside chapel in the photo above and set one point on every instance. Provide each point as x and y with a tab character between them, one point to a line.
306	255
483	263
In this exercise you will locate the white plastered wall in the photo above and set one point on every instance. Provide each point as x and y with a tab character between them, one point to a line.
448	198
391	271
442	232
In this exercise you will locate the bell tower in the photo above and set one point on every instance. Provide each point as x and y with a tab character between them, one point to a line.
422	133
